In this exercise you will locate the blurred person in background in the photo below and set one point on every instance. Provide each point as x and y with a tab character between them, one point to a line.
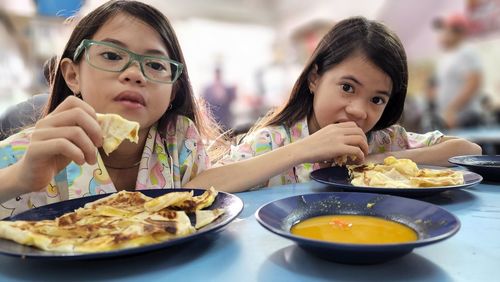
430	119
15	78
219	98
455	96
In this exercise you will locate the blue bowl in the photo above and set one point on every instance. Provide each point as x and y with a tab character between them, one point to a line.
487	166
432	223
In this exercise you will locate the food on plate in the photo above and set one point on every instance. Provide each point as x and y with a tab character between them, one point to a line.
342	160
204	217
354	229
402	173
115	129
118	221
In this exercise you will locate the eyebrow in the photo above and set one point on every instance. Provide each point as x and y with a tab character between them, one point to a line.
121	44
353	79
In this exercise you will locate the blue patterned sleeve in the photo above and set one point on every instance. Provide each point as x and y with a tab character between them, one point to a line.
13	148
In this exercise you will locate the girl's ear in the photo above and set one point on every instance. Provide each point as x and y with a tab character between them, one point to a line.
71	74
313	79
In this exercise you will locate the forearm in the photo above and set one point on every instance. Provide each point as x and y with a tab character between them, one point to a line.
9	186
434	155
242	175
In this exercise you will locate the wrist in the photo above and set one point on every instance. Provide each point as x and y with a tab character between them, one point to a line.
296	153
16	179
11	182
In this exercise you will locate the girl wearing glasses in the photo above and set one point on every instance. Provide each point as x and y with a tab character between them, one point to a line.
122	58
346	102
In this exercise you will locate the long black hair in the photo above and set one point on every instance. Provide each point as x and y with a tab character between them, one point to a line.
374	40
184	102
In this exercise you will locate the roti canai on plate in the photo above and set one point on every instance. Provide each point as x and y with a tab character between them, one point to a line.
402	173
121	220
115	129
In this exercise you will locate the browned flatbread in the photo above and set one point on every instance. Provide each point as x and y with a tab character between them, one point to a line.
342	160
402	173
118	221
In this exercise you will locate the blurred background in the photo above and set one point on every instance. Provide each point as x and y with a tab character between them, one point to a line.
244	55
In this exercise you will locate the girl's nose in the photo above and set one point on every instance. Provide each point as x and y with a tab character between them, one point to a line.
356	110
133	73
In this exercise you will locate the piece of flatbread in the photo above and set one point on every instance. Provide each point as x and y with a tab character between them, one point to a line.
115	129
205	217
167	200
342	160
402	173
198	202
120	220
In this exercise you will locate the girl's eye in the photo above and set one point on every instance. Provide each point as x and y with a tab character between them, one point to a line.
347	88
157	66
378	100
111	56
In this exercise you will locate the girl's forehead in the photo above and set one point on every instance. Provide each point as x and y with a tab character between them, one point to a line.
127	29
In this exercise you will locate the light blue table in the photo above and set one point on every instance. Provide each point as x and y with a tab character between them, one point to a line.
245	251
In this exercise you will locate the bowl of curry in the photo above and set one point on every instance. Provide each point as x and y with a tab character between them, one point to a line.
357	228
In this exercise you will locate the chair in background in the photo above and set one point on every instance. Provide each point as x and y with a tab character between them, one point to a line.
21	115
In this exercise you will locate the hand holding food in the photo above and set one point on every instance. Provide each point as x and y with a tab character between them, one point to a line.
336	142
69	133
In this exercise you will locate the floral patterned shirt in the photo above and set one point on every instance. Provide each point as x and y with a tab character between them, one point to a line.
394	138
166	163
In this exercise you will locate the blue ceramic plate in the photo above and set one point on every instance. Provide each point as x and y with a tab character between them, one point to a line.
339	177
231	204
432	223
486	166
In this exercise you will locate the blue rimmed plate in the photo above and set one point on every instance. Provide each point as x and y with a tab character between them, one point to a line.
487	166
339	177
231	204
431	223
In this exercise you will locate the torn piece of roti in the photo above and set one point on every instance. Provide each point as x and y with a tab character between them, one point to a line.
115	129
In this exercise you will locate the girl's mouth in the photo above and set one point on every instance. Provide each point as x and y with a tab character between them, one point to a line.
131	99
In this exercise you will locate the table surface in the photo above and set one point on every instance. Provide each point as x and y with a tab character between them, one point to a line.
245	251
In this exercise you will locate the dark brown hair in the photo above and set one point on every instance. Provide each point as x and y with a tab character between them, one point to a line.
184	102
372	39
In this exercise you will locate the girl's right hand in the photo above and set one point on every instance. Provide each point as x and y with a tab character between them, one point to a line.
69	133
334	140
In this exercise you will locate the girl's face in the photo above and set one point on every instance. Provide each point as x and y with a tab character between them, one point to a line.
354	90
127	93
